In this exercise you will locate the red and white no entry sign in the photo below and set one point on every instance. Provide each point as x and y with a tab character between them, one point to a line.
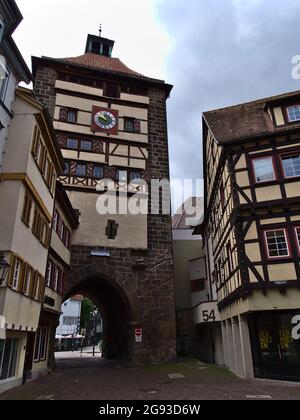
138	335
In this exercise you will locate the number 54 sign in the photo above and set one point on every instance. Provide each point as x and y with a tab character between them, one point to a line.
207	312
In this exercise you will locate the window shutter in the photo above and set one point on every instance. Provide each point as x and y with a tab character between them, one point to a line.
62	141
137	126
34	284
73	168
63	114
98	146
110	172
22	282
146	176
12	270
42	287
53	274
62	283
34	140
90	168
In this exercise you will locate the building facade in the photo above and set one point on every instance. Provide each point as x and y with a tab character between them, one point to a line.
111	123
13	68
40	349
31	166
251	232
199	331
69	323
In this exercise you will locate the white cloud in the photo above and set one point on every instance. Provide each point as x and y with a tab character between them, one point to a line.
58	28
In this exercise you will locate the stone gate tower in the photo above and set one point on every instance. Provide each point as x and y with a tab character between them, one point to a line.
111	123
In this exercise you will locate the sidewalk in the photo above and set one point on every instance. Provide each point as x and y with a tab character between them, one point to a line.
86	353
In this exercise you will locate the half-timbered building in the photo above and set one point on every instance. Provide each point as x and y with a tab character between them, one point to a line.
252	232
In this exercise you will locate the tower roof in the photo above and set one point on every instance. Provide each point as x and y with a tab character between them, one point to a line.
101	62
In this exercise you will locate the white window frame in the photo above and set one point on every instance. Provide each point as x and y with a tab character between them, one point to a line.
256	178
286	240
293	107
49	273
17	274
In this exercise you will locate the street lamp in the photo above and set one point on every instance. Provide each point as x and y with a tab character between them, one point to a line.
4	268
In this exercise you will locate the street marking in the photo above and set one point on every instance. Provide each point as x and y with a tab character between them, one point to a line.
45	398
259	397
176	376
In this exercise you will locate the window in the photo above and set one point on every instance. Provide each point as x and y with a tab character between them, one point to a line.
291	165
72	144
112	90
86	145
38	289
60	228
27	280
129	125
70	320
264	169
49	273
41	344
26	214
135	176
55	220
1	28
67	238
71	116
293	113
122	176
81	170
98	172
9	350
16	274
198	285
67	168
3	85
297	231
277	243
56	279
229	258
41	228
95	47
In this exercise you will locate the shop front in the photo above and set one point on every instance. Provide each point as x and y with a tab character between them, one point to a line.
275	340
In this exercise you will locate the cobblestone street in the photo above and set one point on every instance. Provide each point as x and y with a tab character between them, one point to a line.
90	378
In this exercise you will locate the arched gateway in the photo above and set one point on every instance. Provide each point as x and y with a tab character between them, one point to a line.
111	123
118	302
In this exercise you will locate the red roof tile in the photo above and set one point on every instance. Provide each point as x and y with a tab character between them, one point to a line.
102	63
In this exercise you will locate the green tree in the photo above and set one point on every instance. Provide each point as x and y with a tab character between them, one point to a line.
87	309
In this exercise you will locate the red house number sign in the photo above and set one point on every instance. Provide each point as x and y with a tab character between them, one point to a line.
138	335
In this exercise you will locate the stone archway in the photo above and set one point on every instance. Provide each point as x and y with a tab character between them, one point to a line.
110	291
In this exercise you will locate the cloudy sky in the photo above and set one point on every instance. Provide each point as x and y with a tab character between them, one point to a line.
215	52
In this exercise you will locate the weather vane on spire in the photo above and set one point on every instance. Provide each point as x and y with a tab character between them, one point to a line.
100	30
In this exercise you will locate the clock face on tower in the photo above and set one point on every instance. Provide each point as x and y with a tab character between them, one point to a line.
105	120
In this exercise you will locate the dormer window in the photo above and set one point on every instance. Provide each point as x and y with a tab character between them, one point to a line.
293	113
